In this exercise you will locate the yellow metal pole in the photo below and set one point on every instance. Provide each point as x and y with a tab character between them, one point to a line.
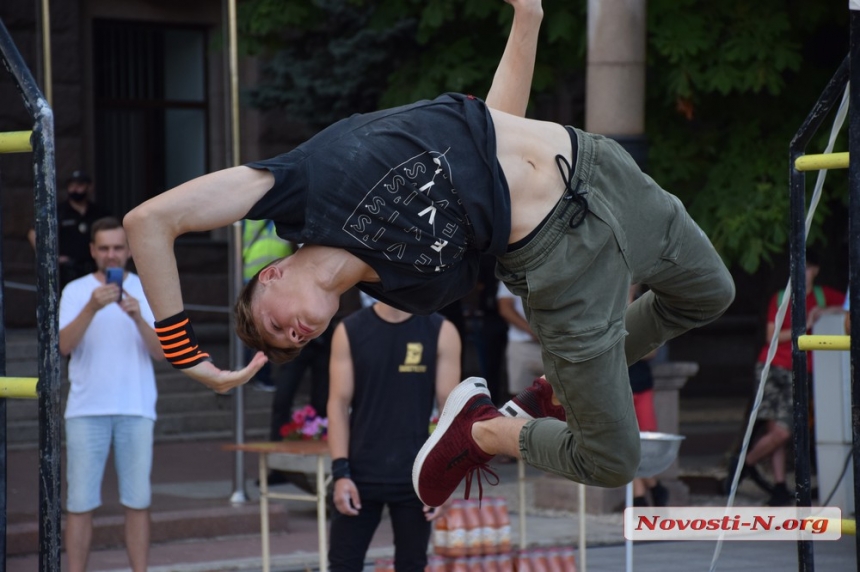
234	83
812	343
234	247
15	142
819	162
18	387
46	51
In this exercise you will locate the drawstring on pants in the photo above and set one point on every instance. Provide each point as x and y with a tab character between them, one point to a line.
573	193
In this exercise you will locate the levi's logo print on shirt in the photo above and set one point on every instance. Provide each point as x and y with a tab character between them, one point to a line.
413	215
412	363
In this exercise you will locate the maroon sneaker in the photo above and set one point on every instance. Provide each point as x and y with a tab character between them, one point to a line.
534	402
450	454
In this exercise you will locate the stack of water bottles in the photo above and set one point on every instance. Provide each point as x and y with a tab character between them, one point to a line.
473	537
476	537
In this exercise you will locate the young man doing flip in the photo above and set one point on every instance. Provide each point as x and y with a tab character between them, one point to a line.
401	202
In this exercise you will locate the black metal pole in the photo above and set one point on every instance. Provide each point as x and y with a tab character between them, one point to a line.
49	347
797	250
854	250
48	302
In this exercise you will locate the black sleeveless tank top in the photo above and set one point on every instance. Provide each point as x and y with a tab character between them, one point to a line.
395	377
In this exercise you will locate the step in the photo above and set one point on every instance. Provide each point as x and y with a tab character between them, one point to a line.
221	435
210	401
209	421
213	522
199	411
709	438
179	426
186	408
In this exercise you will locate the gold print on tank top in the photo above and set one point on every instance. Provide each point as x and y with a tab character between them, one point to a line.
412	363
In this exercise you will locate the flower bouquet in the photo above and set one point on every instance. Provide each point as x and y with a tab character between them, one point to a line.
306	425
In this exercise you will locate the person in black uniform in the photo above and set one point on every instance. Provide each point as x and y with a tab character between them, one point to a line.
386	367
75	216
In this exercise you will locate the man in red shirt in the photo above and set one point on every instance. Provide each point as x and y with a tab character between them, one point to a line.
777	407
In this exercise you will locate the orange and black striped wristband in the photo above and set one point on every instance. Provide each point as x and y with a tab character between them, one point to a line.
179	342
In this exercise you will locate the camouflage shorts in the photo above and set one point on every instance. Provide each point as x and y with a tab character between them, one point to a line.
777	402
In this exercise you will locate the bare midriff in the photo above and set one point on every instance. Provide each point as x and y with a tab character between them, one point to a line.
526	150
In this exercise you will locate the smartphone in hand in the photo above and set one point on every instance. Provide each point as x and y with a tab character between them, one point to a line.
114	276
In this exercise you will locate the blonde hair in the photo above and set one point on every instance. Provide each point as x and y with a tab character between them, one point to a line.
246	327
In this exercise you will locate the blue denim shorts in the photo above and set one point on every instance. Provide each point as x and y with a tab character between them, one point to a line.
88	442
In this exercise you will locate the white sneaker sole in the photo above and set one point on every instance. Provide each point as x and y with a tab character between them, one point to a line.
457	399
511	409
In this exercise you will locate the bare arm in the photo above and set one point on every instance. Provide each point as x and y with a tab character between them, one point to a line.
449	348
512	82
204	203
73	333
341	390
131	306
511	316
784	334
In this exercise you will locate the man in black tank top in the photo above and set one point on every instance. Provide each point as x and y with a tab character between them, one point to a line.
386	367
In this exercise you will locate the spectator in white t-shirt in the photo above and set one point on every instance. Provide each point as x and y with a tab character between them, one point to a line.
107	330
523	353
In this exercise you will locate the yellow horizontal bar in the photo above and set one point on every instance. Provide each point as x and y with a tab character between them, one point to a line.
15	142
18	387
819	162
849	526
810	343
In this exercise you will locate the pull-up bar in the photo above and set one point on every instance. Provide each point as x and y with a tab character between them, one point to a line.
821	162
822	343
16	142
18	387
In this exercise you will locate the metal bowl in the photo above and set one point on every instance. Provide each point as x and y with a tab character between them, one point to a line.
658	452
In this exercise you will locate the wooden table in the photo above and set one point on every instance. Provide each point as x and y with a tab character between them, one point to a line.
300	456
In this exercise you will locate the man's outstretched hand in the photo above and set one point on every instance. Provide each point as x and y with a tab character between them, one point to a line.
222	381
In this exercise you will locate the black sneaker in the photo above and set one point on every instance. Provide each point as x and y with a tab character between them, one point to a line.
780	496
747	471
263	386
660	495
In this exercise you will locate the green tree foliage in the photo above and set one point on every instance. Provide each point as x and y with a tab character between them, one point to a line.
329	58
729	83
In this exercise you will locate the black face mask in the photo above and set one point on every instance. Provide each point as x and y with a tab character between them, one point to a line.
78	197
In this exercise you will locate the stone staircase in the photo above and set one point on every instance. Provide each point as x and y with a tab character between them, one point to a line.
186	409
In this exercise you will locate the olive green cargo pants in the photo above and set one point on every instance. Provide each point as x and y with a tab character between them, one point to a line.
574	283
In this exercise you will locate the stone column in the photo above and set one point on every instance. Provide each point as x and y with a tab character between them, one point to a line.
615	73
669	378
